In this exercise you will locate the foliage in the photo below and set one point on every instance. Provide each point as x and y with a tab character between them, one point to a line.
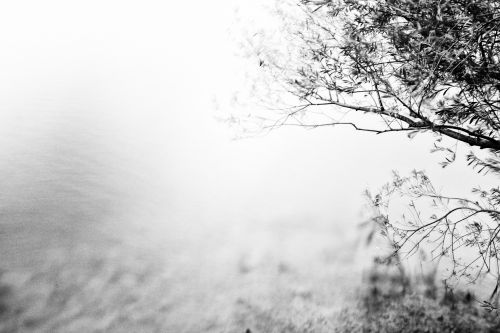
466	226
416	65
406	66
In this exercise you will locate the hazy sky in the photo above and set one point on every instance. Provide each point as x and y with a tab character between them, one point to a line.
129	86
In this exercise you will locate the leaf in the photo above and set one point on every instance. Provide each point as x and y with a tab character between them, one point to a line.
369	238
412	134
494	291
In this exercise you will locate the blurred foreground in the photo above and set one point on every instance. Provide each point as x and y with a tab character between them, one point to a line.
285	278
290	277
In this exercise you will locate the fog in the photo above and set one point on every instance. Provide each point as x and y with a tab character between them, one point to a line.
110	135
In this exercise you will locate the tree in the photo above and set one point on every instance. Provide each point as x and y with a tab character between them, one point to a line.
407	66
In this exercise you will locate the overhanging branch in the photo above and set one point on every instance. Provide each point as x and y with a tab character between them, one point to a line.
455	132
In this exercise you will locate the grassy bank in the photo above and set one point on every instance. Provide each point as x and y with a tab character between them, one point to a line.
390	302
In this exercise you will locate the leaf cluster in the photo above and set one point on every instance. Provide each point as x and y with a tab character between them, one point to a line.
417	66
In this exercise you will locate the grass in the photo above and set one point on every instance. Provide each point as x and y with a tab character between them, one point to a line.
390	303
296	287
